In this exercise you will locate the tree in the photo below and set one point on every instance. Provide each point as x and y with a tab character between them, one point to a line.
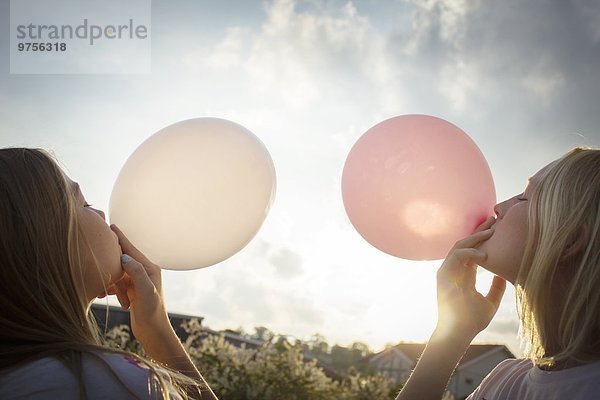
317	345
262	333
276	370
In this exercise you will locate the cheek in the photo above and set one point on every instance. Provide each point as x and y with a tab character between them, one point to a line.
513	227
518	226
116	272
510	241
108	254
506	246
110	258
107	272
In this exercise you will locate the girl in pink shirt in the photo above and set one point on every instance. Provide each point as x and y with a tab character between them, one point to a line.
545	241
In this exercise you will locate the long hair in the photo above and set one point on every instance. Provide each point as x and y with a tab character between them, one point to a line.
43	309
558	287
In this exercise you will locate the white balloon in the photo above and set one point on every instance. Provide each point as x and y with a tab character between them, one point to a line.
194	193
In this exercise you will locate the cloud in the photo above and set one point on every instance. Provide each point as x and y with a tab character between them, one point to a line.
287	263
299	57
314	76
534	63
247	291
309	77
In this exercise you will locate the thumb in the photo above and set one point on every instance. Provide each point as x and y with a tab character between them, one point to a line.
128	247
136	271
496	291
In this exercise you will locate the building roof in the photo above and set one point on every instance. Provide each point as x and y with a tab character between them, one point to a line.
118	316
413	351
477	350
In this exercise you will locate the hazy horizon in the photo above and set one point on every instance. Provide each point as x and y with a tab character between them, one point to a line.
308	78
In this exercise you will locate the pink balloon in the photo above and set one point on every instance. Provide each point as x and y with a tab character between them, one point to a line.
415	184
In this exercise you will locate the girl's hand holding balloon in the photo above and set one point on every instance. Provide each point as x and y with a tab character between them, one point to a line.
463	312
140	290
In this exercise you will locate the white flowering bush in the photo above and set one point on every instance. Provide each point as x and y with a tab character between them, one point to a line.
360	387
273	371
119	337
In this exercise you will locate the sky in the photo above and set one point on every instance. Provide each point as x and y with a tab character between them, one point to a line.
309	78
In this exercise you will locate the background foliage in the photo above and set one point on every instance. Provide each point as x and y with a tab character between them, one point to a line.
276	370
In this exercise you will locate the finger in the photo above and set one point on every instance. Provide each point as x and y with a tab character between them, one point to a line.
459	259
467	256
474	239
128	247
136	271
120	289
470	276
448	288
111	290
485	224
496	291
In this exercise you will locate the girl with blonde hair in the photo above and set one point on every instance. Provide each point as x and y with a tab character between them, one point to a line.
57	254
546	242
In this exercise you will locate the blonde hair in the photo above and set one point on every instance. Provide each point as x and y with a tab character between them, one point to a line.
43	308
558	287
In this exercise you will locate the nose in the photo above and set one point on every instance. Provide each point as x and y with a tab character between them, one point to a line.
501	208
100	213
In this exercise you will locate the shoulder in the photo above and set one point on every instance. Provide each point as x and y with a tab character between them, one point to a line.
135	376
509	366
522	379
102	368
127	365
509	371
512	365
46	376
105	375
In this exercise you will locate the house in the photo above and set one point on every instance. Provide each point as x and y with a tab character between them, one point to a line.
117	316
396	363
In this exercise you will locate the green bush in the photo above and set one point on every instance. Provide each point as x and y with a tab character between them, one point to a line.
273	371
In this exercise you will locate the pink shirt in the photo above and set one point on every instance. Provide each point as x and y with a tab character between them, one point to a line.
521	380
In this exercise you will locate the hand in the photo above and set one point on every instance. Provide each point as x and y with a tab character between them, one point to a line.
462	311
140	290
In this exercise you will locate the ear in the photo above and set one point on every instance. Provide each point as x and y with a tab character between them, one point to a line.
576	247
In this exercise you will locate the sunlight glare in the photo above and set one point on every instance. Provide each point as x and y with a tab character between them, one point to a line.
412	315
426	218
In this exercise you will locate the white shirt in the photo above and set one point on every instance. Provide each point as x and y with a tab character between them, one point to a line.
522	380
48	378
